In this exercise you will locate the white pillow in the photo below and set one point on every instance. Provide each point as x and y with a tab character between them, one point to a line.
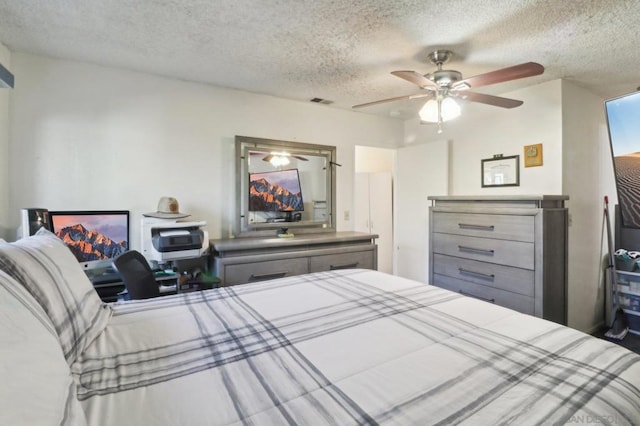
49	271
37	386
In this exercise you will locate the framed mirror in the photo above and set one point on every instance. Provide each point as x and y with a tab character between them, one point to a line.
282	184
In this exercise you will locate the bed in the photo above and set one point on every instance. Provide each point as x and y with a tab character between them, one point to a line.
340	347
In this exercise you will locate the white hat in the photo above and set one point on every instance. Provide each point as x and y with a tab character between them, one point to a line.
168	208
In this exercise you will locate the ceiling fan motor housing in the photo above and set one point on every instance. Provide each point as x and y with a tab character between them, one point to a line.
444	78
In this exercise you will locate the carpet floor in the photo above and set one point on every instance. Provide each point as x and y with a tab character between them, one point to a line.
631	341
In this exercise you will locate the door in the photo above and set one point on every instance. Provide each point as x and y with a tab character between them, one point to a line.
422	170
373	202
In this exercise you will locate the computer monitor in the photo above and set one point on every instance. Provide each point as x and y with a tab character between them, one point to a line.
94	237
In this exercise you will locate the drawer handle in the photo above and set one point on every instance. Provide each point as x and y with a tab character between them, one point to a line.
472	226
347	266
272	275
477	297
477	250
479	274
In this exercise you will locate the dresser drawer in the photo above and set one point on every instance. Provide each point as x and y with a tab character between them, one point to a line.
507	299
515	280
259	271
359	259
512	253
499	226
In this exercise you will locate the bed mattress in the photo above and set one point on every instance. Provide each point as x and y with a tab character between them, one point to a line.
348	347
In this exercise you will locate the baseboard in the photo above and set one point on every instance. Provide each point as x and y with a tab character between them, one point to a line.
596	328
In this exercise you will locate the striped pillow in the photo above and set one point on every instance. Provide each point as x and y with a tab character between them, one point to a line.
37	385
46	267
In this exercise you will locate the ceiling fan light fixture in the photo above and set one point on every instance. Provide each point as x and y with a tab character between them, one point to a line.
429	112
450	109
437	112
279	159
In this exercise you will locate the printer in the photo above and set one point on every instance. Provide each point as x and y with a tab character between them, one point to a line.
166	240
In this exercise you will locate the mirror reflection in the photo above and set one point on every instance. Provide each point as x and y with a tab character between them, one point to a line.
284	185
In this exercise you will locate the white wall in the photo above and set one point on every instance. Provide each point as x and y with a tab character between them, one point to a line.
373	160
587	175
482	131
90	137
5	94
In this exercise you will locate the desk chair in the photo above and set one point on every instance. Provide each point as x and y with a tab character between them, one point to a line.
137	275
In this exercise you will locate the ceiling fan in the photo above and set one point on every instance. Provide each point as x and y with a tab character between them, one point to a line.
442	87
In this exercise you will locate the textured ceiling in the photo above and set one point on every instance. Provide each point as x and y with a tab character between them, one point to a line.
342	51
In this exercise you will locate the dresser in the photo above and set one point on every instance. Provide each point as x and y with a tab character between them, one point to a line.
246	259
507	250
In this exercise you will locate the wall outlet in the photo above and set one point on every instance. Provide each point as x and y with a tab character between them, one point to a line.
346	215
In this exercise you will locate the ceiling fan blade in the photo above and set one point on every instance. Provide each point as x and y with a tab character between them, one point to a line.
416	78
298	157
398	98
515	72
487	99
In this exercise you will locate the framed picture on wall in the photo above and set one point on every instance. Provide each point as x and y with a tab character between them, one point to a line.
500	171
533	155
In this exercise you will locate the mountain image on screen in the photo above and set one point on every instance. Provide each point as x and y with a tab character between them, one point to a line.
265	197
89	245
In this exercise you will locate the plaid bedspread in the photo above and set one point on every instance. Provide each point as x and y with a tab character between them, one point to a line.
348	347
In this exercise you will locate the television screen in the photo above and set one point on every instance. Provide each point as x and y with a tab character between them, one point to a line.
277	191
623	121
94	237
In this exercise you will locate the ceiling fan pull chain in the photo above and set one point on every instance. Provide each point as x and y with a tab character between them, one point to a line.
439	99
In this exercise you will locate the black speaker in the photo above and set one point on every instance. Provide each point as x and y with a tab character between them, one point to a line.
34	219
